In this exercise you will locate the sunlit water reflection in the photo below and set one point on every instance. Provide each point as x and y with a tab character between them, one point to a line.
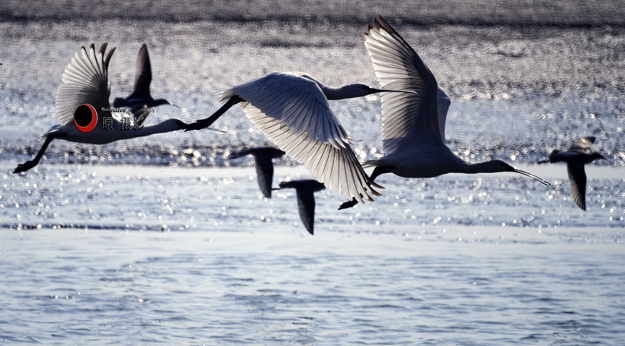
164	239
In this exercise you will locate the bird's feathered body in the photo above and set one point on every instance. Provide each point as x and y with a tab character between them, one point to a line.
70	133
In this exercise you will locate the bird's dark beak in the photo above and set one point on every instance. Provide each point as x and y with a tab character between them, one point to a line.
527	174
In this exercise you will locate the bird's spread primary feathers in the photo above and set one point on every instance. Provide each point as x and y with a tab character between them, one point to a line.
297	102
293	112
398	66
413	121
85	80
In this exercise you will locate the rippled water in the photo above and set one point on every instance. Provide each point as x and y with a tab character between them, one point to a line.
165	240
269	288
197	256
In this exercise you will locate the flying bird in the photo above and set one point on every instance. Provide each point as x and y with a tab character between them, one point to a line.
305	193
576	157
414	123
263	163
292	110
141	93
85	88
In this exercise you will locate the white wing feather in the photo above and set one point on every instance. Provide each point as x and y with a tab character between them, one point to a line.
85	80
406	117
296	102
286	119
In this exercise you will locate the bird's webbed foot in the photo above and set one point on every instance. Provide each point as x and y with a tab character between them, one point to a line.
348	204
25	166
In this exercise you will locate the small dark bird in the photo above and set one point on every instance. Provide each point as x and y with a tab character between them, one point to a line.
141	94
304	191
576	157
264	165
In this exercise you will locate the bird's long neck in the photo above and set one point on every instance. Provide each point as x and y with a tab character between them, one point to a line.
473	168
159	102
344	92
166	126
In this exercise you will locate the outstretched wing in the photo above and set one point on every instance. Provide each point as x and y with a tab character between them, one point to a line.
297	102
443	102
305	190
306	207
405	116
143	74
85	80
294	113
577	179
264	174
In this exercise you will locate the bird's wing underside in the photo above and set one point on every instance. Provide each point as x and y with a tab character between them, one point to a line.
298	103
336	167
85	80
405	116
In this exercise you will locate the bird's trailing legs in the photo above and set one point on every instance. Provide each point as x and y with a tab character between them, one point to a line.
204	123
32	163
376	172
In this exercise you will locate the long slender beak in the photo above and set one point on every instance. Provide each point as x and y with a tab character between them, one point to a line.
392	91
539	179
212	129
